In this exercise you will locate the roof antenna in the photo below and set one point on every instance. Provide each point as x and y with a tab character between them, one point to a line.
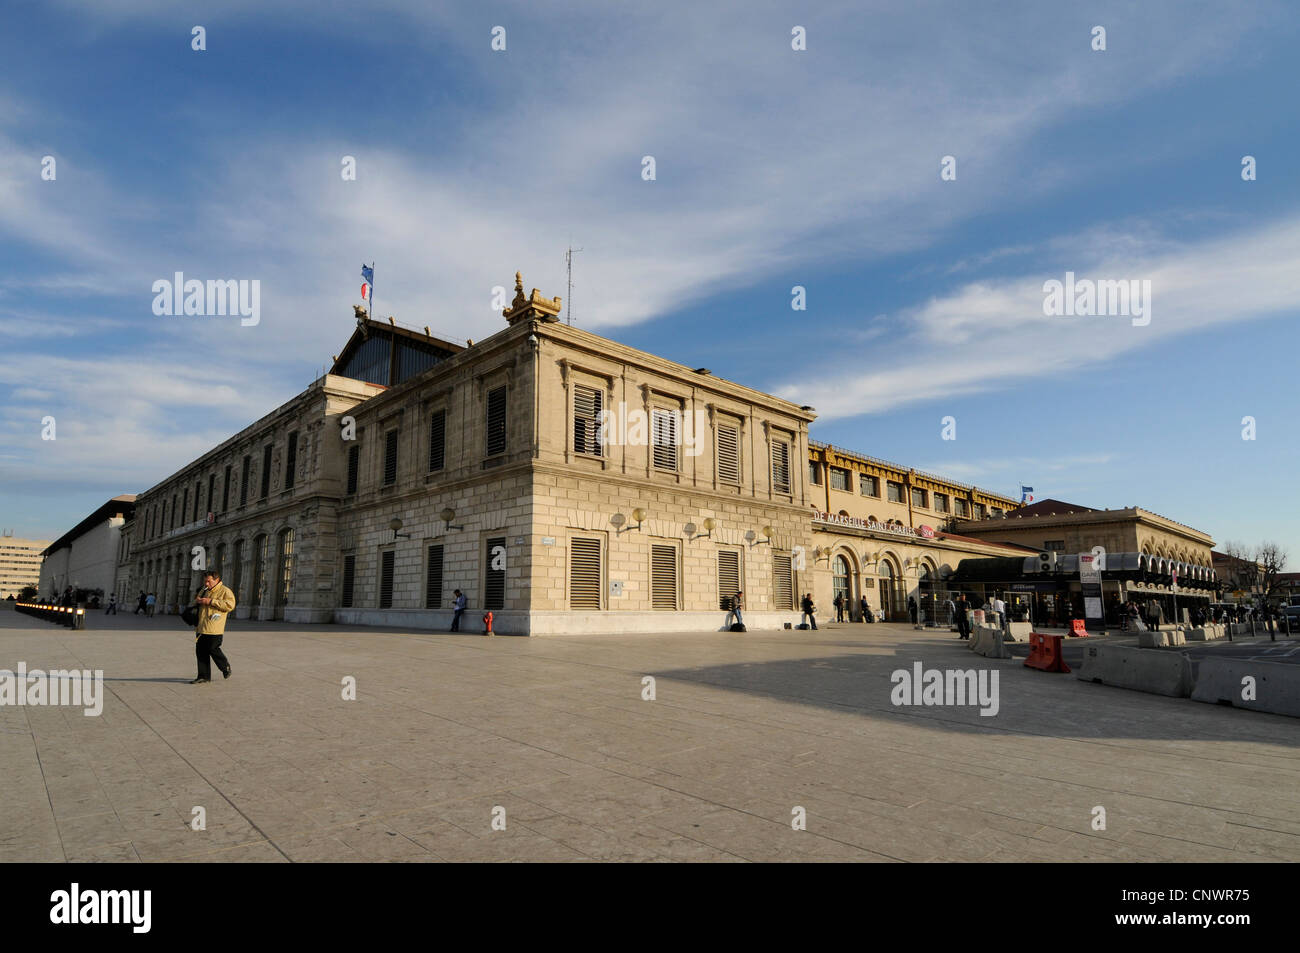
568	260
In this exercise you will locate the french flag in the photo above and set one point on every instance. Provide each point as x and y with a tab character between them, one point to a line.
1026	494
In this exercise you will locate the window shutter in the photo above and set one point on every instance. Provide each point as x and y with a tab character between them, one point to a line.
433	579
584	573
663	577
728	577
665	439
780	466
782	581
494	589
386	580
587	404
437	440
496	421
390	458
728	454
349	578
354	456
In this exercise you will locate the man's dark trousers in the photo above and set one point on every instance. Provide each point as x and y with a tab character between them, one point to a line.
455	619
209	646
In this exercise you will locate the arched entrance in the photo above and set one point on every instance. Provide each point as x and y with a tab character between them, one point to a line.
892	603
842	584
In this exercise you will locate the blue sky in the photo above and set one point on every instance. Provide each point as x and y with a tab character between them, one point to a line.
774	168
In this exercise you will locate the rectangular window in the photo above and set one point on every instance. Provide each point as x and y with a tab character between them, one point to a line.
354	457
291	461
868	485
266	471
185	503
225	490
212	490
728	577
390	458
782	581
665	437
728	453
663	577
996	513
437	440
173	511
1054	546
386	579
840	479
962	508
895	490
979	511
780	466
941	502
433	578
814	473
918	497
243	483
494	577
349	580
496	421
584	573
587	404
198	491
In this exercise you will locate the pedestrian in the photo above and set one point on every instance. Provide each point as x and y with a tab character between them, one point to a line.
911	608
112	605
839	606
215	602
950	610
139	606
1000	608
963	622
808	610
736	603
865	609
150	602
459	605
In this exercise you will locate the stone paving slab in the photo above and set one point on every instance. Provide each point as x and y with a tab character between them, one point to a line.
743	729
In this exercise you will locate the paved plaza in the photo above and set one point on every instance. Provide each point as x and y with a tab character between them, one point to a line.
743	731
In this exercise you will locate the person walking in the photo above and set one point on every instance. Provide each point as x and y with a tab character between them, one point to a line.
808	610
112	605
459	605
215	603
864	609
737	603
140	605
150	602
911	608
963	623
839	606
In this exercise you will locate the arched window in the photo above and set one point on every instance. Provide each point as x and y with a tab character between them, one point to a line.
259	570
841	578
284	581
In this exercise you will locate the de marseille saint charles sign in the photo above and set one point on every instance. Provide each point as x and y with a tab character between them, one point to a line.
925	532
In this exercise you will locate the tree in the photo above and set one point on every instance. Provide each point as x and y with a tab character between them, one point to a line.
1243	566
28	592
1271	560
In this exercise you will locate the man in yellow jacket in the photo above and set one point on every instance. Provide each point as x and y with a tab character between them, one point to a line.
215	602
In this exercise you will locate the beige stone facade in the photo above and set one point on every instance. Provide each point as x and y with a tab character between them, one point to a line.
20	564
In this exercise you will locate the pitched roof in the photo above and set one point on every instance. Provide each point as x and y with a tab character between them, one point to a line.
1052	508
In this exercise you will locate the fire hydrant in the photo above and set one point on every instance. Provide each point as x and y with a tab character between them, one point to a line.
487	624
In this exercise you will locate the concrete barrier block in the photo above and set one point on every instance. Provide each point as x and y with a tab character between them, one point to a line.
1143	670
1196	635
1151	640
987	641
1019	631
1176	637
1267	686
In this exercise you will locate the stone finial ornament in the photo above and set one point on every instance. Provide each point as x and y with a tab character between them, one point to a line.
532	308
